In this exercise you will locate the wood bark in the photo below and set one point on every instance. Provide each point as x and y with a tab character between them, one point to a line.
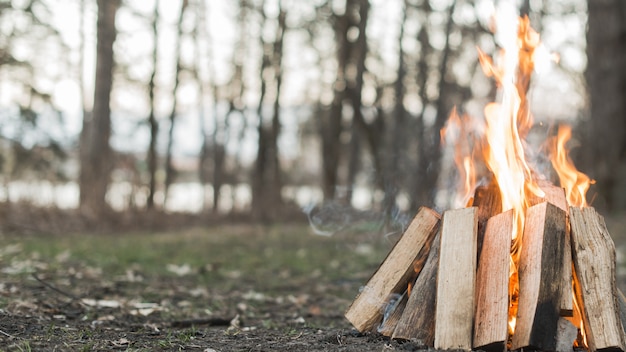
492	280
418	319
456	280
540	277
594	262
395	272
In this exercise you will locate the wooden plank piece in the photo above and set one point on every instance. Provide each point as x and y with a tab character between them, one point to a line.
489	202
492	285
395	272
556	195
418	319
393	312
456	280
540	275
594	263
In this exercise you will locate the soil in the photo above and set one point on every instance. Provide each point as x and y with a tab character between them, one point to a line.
43	315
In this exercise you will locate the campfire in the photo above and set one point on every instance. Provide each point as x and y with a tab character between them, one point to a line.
524	265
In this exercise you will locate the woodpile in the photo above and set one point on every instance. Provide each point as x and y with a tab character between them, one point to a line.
446	284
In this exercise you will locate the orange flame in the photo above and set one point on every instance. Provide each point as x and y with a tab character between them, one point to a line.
502	147
576	183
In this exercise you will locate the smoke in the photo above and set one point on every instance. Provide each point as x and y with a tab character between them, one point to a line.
331	218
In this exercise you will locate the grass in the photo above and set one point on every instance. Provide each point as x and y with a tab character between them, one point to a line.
264	256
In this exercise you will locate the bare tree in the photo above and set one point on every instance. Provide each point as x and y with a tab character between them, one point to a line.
169	167
605	142
152	121
96	158
267	178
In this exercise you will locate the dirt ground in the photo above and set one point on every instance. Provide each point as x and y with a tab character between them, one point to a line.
232	288
224	288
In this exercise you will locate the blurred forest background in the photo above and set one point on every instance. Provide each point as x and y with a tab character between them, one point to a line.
137	111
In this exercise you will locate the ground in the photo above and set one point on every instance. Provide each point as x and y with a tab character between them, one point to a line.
211	288
226	288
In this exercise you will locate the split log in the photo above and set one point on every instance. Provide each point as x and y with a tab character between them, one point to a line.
492	280
594	262
395	272
540	277
456	280
418	319
489	202
556	195
393	313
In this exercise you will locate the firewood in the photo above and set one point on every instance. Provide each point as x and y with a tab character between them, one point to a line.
418	320
492	280
566	335
556	196
454	315
594	263
392	314
540	277
395	272
489	202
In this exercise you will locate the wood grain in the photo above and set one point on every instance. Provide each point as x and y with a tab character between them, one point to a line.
454	316
594	263
418	320
540	278
492	281
395	272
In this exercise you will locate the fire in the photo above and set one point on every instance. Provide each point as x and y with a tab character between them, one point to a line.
502	147
575	182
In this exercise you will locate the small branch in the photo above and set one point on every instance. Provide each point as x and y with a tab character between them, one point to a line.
54	288
200	321
8	335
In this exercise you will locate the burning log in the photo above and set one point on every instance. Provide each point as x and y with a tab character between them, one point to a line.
417	321
594	261
540	283
492	291
456	279
392	277
540	278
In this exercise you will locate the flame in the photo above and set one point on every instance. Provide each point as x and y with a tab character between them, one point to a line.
575	182
501	147
455	128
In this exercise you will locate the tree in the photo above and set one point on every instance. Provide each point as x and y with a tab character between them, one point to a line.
169	167
605	140
96	155
267	178
152	121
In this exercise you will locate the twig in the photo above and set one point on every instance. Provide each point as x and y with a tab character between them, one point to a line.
54	288
201	321
8	335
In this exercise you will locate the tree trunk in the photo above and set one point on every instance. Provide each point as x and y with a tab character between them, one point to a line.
170	172
331	125
392	174
606	77
154	125
267	180
430	154
96	163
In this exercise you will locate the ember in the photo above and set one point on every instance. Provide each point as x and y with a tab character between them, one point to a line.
526	265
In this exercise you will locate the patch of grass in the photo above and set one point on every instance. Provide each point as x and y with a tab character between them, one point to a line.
266	257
